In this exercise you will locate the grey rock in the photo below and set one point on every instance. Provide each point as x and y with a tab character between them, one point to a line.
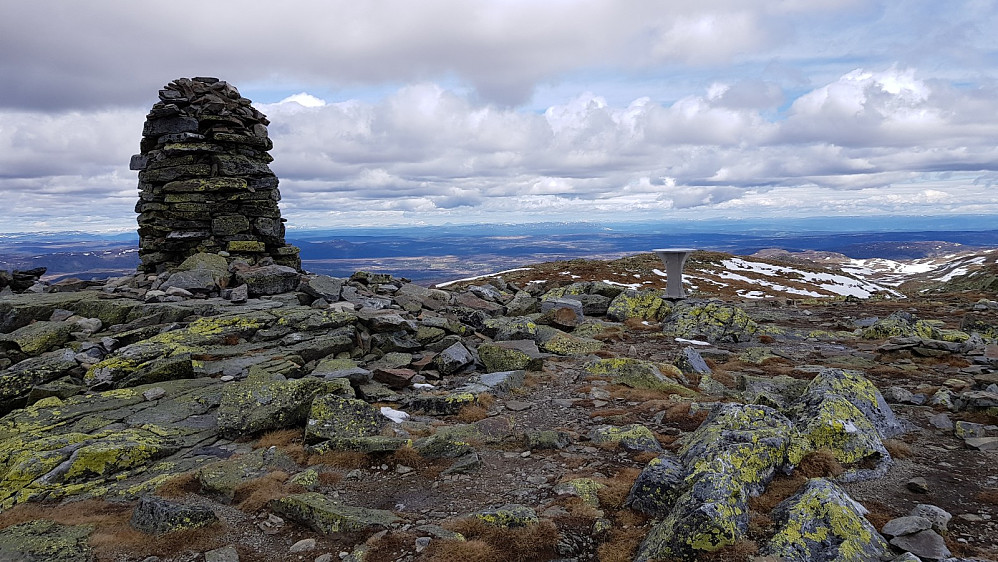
659	485
269	280
941	421
924	544
905	526
223	554
323	286
937	516
453	359
919	485
156	516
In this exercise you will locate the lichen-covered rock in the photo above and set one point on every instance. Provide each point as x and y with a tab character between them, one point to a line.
157	516
264	402
658	486
443	404
643	305
46	541
585	489
506	328
220	479
900	324
453	359
751	442
634	437
17	381
710	515
822	523
40	337
511	356
567	344
843	411
329	516
711	321
336	419
508	516
732	455
636	373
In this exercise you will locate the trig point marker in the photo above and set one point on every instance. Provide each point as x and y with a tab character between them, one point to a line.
674	259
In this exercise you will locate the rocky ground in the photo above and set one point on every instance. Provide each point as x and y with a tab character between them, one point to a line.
556	412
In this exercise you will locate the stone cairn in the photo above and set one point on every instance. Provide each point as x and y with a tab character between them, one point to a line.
204	182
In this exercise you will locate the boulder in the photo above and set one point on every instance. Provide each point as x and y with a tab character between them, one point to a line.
328	516
822	523
643	305
265	402
269	279
155	515
900	324
657	488
453	359
46	541
711	321
511	355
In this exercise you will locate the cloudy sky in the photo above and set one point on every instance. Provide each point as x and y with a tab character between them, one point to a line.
397	112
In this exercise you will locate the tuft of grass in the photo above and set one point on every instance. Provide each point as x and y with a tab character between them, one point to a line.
897	448
820	463
471	413
988	495
622	544
180	485
742	551
519	544
291	441
781	488
253	495
680	417
341	459
460	551
409	457
615	490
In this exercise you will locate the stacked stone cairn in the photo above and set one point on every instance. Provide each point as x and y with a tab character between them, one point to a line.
204	182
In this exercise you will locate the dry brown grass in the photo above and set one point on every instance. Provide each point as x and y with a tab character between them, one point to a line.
988	495
290	441
407	456
613	495
897	448
518	544
724	378
819	464
180	485
781	488
253	495
113	537
341	459
460	551
329	478
621	545
680	417
471	413
879	514
389	547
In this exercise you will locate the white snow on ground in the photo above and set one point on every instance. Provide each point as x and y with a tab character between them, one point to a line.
955	273
397	416
771	285
476	278
831	282
752	294
626	285
693	342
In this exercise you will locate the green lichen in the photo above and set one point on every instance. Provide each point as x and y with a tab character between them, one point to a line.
586	489
567	344
508	516
642	305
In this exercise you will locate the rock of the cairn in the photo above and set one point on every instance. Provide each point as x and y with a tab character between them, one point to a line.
204	182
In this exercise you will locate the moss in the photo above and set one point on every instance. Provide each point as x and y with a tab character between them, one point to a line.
46	540
246	246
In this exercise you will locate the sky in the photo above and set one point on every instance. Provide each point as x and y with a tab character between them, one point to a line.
402	113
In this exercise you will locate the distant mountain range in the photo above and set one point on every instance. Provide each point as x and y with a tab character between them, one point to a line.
435	254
